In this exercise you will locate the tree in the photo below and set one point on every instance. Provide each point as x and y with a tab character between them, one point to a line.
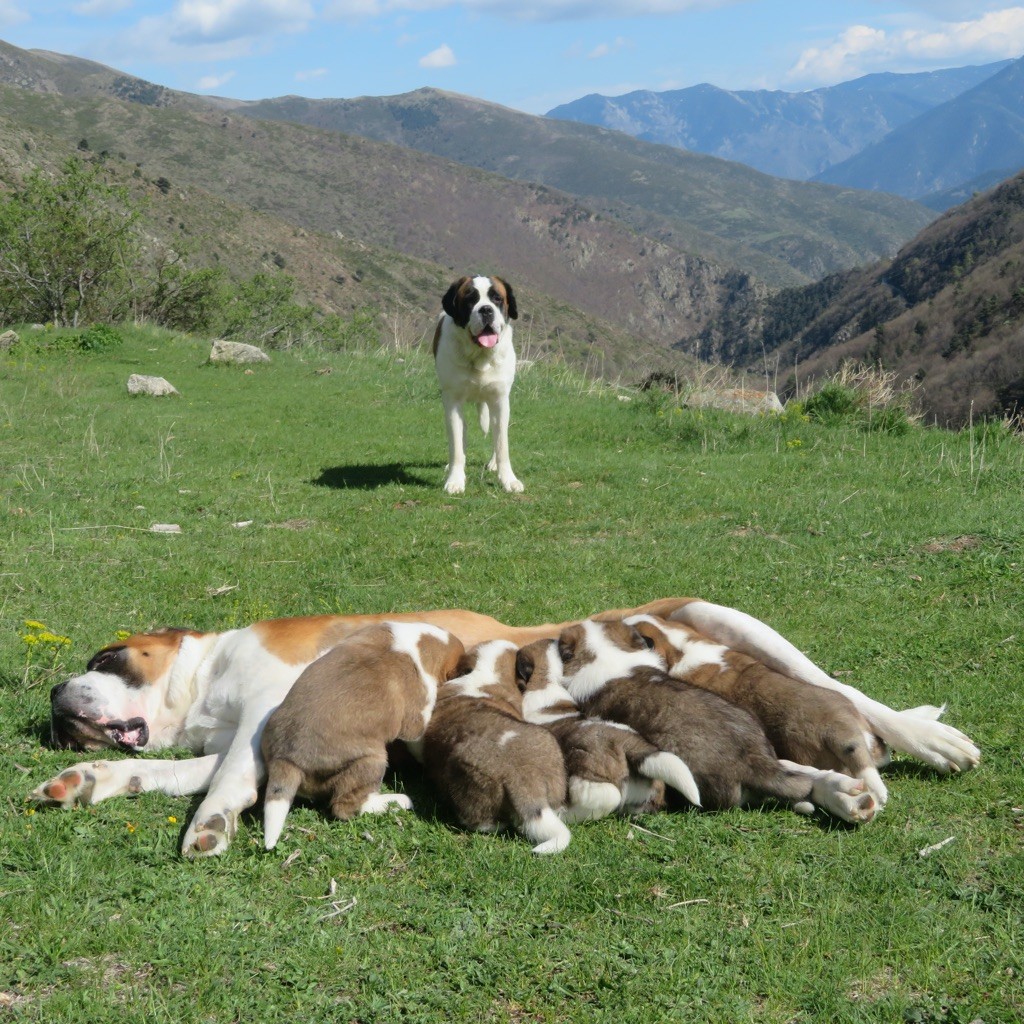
67	247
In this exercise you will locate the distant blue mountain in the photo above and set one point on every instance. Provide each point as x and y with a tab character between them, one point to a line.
970	141
790	135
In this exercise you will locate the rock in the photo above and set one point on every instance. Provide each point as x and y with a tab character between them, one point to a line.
8	340
138	384
236	352
746	400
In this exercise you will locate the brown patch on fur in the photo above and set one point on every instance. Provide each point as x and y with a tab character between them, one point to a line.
142	659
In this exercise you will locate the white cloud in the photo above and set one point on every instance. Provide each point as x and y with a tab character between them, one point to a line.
531	10
607	49
208	82
862	49
213	30
11	14
442	57
305	76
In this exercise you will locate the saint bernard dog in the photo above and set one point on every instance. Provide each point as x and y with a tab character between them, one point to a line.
475	362
213	693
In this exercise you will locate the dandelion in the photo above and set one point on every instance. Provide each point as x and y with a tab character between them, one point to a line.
172	819
795	443
131	826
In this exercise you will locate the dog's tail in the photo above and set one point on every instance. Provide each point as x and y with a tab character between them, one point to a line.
673	771
283	781
485	417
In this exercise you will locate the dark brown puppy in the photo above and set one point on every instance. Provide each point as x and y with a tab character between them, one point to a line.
612	672
810	725
610	767
328	737
492	766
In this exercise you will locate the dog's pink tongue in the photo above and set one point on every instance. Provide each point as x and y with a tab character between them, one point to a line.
488	339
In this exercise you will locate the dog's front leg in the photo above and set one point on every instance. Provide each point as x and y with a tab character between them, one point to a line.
92	781
233	788
500	415
914	732
455	482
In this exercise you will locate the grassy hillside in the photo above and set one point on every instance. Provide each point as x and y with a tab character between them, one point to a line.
893	561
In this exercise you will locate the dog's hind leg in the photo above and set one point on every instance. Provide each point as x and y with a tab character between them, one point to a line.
283	781
356	788
543	827
937	744
839	794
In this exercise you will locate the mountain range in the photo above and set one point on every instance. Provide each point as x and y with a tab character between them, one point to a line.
933	136
626	255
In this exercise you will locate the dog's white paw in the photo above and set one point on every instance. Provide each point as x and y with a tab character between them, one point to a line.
845	797
380	803
78	786
944	748
209	837
456	483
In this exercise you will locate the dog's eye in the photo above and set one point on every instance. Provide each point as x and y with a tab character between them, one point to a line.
648	641
565	653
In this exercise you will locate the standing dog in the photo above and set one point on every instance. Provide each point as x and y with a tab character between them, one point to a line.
476	362
492	766
328	738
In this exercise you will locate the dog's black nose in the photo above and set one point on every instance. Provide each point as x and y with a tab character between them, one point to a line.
487	314
57	690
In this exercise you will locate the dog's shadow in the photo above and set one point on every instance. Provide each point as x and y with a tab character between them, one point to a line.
369	476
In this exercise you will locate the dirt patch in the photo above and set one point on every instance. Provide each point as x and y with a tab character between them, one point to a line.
956	545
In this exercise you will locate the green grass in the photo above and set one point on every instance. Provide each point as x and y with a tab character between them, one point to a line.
895	561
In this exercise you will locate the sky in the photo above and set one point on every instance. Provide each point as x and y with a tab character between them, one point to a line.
527	54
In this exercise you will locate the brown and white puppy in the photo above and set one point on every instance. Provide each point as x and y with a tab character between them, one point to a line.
327	740
492	766
610	767
816	727
476	362
611	672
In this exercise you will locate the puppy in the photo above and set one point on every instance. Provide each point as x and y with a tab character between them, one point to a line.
327	739
610	767
810	725
492	766
611	672
475	362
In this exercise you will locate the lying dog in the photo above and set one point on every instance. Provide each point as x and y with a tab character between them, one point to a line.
813	727
612	672
610	767
493	767
476	362
211	692
328	738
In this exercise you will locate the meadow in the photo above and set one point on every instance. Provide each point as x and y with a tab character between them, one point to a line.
894	560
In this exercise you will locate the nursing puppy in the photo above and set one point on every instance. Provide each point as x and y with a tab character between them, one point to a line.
475	362
610	767
493	767
812	726
327	739
611	672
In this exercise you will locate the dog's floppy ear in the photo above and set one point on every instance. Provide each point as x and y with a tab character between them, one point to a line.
524	668
513	309
449	302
